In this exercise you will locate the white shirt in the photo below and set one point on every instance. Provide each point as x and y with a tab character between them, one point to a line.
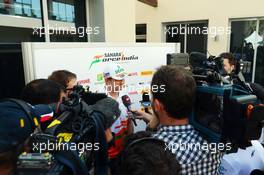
244	161
116	127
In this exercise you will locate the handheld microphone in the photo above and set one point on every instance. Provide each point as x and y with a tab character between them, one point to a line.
145	103
127	102
257	172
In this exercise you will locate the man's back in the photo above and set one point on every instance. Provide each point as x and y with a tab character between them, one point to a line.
191	150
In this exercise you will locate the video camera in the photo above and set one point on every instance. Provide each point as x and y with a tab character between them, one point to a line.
82	119
206	69
223	112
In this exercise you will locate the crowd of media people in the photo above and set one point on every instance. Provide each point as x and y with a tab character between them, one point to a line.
128	153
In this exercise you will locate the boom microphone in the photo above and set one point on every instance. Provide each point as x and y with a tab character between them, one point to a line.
91	98
108	107
197	59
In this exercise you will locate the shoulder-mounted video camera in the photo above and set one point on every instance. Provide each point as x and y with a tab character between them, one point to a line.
223	112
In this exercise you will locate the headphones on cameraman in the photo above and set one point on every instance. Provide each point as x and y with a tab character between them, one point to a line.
27	110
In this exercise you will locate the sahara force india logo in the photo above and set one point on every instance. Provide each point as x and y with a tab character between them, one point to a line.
112	57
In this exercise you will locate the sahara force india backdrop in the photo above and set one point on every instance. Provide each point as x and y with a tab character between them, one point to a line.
88	61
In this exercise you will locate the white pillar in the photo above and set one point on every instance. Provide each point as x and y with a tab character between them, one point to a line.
45	18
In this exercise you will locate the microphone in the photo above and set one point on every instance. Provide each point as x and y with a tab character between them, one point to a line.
181	59
145	102
197	59
257	172
91	98
127	102
108	107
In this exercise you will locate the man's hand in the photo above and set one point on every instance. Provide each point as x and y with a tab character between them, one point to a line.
143	115
151	119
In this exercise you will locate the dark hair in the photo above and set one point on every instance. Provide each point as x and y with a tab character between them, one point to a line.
62	77
42	91
144	155
179	90
10	157
229	56
141	134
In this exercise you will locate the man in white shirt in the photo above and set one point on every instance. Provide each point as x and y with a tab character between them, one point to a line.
243	162
114	76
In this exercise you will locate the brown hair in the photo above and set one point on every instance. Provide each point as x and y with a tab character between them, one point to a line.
42	91
179	94
229	56
62	77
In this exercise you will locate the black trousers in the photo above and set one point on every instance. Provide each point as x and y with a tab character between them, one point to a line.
115	166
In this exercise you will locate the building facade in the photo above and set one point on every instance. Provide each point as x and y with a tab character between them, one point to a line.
210	27
67	20
57	21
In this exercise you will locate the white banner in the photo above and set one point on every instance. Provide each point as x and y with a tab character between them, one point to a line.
88	61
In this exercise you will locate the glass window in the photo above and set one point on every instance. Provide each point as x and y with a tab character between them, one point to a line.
186	33
197	41
69	13
259	78
26	8
36	11
141	32
242	46
61	10
175	38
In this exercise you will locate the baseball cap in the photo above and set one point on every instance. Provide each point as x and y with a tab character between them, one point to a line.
18	121
114	71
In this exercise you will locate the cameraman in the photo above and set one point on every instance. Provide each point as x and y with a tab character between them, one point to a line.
43	91
15	128
114	76
232	69
231	66
64	77
172	107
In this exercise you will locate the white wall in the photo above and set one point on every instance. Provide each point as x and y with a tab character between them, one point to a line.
17	21
119	18
218	13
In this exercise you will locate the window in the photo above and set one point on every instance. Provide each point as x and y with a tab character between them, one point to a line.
141	31
26	8
189	34
259	78
61	10
243	50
